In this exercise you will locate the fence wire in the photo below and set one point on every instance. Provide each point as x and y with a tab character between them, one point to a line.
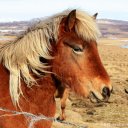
35	118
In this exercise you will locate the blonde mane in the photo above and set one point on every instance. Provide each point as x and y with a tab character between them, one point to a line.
21	56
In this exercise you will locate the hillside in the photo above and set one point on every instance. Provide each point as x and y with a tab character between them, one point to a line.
109	28
12	28
113	28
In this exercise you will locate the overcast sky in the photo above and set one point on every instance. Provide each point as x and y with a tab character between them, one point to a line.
15	10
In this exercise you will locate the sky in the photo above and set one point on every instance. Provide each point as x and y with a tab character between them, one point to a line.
17	10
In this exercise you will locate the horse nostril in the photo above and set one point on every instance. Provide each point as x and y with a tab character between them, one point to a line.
106	92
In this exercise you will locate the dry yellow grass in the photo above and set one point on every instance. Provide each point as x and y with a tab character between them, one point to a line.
6	38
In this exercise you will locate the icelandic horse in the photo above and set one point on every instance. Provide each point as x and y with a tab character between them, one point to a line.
60	50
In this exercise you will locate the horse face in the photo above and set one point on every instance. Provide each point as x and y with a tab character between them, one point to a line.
77	63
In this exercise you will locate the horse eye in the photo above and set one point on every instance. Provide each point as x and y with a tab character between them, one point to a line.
77	50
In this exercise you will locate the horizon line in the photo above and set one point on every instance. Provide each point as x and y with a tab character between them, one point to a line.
40	18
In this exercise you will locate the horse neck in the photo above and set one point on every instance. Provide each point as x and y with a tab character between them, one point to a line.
38	96
45	87
41	97
37	99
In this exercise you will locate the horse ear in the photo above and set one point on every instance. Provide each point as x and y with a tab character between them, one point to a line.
70	21
95	16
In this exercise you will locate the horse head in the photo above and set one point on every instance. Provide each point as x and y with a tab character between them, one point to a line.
76	61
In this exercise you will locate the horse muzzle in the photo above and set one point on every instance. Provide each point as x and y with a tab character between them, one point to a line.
96	96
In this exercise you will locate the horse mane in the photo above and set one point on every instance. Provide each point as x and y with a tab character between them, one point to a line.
21	56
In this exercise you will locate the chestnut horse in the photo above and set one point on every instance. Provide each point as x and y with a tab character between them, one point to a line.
61	50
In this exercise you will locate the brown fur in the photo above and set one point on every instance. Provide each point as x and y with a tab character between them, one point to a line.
35	101
75	69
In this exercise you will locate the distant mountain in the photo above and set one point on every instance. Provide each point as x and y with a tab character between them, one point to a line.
113	28
13	28
109	28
